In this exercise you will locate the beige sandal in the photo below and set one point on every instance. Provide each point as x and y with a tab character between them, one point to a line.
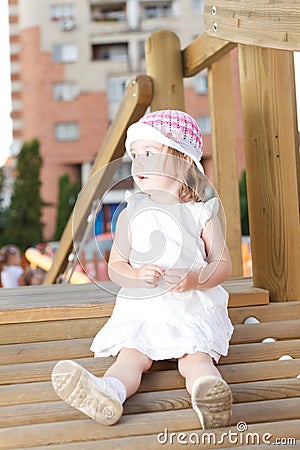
85	392
212	401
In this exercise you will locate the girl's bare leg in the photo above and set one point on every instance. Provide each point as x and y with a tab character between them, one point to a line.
128	368
194	366
211	396
100	398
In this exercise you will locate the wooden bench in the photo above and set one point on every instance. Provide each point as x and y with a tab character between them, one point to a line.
41	325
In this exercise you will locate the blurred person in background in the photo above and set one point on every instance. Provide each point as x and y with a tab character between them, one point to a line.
12	272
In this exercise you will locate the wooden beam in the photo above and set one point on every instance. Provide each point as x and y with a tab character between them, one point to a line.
135	426
265	23
223	136
154	402
164	66
202	52
272	164
30	393
137	98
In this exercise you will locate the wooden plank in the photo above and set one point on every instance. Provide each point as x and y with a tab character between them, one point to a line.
18	394
134	425
57	313
265	313
57	302
224	153
59	294
136	100
202	52
59	411
168	92
273	24
83	328
242	353
272	161
158	378
53	330
80	348
45	351
232	373
80	329
195	438
89	300
287	329
40	392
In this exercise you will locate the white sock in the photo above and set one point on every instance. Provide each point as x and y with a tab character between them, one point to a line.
118	386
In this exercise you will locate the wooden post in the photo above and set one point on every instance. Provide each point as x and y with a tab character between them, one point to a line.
164	66
272	163
225	155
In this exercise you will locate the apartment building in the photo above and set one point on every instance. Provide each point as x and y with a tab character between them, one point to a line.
70	62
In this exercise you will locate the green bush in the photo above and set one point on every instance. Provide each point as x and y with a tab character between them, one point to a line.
22	219
244	205
67	197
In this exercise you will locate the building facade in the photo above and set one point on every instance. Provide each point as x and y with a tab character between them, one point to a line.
70	62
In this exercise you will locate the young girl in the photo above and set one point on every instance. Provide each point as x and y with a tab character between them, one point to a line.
33	277
11	270
169	256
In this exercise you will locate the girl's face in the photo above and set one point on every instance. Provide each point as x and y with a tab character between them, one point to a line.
153	169
14	257
37	278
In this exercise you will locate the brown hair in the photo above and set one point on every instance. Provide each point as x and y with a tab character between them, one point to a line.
193	181
5	253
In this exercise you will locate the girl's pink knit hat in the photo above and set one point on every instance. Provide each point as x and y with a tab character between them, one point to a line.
170	127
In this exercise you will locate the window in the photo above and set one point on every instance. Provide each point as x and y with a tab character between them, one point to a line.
113	12
116	88
68	131
110	52
115	93
66	91
201	84
141	47
65	52
198	6
204	124
157	9
61	11
123	171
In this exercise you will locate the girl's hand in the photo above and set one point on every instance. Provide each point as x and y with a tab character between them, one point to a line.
180	280
149	274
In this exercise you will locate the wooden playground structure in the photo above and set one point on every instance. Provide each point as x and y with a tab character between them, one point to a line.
41	325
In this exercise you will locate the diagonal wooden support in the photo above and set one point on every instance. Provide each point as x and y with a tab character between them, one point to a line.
202	52
137	98
264	23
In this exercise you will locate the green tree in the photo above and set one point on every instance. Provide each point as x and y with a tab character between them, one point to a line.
244	205
67	196
2	209
23	225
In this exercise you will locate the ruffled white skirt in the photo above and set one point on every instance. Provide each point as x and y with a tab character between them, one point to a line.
168	326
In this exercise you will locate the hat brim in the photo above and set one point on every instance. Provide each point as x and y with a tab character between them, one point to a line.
143	132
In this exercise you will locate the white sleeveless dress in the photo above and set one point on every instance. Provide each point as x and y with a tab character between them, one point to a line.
161	323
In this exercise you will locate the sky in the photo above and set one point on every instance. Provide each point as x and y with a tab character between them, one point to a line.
5	87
